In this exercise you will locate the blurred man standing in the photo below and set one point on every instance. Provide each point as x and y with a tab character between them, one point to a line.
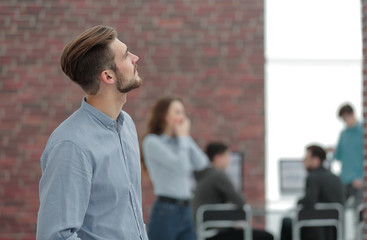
350	152
90	186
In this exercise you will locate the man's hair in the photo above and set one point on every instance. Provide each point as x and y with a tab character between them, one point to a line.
215	148
345	109
317	151
85	57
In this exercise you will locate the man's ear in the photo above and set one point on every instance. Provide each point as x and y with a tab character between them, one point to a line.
216	159
316	161
107	76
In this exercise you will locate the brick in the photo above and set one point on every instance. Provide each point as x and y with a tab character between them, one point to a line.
196	50
364	28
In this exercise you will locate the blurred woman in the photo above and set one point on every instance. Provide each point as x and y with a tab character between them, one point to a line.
170	155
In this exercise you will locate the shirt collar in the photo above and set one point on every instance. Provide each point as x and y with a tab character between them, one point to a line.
165	137
320	168
107	121
356	126
353	128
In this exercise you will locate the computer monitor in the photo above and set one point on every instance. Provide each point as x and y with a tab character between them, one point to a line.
235	170
292	176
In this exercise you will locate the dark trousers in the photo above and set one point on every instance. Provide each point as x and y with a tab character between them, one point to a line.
169	221
307	233
351	191
237	234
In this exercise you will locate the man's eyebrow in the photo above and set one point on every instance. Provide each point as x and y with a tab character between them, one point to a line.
125	55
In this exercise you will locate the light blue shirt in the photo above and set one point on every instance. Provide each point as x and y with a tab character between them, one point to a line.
170	162
90	186
350	152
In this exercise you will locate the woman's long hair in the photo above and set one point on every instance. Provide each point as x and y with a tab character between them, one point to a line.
157	119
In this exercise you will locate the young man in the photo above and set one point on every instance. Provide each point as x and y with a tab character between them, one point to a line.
90	186
214	186
350	152
321	187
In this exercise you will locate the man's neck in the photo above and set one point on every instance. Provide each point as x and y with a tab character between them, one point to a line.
110	105
218	167
315	168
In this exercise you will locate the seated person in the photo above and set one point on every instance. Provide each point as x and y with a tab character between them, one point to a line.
214	187
321	187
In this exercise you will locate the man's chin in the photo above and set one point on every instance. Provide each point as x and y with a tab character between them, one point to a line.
139	80
137	83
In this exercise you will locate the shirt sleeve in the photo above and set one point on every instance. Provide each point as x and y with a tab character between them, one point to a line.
64	192
156	150
311	193
227	190
338	150
199	160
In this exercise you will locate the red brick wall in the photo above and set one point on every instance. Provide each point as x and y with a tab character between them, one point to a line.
364	35
210	53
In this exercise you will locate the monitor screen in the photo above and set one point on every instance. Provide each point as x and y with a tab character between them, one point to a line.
292	176
235	170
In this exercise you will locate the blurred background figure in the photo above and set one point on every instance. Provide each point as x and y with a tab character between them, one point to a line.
349	151
214	187
170	155
321	187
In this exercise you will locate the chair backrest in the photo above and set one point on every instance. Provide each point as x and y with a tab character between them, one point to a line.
322	215
217	216
317	213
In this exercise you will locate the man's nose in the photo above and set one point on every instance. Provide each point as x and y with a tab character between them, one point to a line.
135	58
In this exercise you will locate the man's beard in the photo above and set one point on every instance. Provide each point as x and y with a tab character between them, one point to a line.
126	85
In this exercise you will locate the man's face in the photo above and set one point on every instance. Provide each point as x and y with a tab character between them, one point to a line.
349	119
226	158
175	114
126	67
222	160
308	161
